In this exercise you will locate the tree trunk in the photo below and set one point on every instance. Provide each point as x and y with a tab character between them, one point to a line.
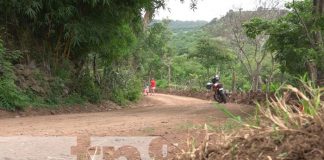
268	82
260	83
149	74
269	79
256	78
234	81
94	67
254	82
79	67
318	7
147	18
312	70
169	75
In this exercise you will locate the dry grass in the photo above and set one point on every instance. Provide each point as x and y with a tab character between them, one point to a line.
194	152
295	108
293	112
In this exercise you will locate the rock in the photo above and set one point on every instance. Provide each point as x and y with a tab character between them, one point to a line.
66	91
46	78
20	80
32	65
19	72
37	89
24	85
32	81
27	72
118	107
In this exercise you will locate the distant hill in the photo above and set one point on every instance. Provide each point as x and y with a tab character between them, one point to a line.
185	26
187	33
220	27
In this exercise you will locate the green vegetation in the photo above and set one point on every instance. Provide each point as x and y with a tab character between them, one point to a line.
67	52
78	47
11	97
291	38
177	26
309	106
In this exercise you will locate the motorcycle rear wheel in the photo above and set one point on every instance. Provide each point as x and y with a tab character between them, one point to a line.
223	96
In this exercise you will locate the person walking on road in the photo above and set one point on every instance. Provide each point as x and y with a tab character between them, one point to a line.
146	88
153	85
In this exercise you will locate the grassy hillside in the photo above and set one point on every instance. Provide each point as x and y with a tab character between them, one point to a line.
183	26
220	27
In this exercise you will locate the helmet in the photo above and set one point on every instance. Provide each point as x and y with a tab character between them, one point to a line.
217	77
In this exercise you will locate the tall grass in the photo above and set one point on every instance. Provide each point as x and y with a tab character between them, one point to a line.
290	109
193	150
294	107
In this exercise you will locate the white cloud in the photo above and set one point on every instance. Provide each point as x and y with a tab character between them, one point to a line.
207	9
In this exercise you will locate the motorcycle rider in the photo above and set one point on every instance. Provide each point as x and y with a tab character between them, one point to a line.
215	79
218	87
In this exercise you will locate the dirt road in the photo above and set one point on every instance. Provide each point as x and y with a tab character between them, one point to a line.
155	115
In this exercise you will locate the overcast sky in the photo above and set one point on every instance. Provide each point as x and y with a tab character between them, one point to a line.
207	9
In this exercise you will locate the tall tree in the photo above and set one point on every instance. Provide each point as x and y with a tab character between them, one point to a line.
250	51
210	54
293	38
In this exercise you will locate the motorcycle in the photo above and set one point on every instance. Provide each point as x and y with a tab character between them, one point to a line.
219	92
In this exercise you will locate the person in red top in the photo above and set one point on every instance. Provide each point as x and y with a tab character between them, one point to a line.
153	85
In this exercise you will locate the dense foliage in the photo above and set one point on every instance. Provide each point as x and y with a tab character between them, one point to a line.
11	97
291	37
75	42
68	51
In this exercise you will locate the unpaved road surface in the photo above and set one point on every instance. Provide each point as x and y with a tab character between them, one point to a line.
154	115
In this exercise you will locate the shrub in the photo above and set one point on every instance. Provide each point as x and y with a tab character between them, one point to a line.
133	89
162	83
64	71
118	96
89	89
122	84
56	94
11	97
74	98
129	92
273	87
